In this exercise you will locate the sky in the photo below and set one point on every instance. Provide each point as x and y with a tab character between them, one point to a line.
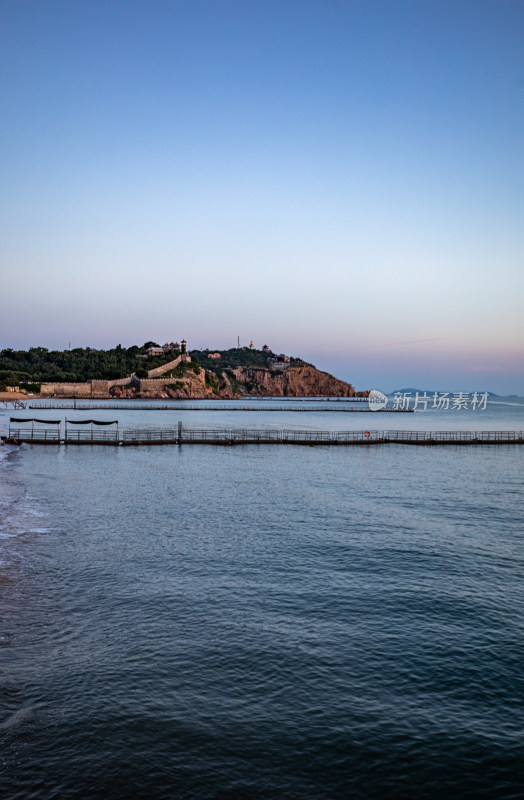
342	180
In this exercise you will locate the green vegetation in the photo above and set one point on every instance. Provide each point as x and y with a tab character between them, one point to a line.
182	369
212	382
238	357
176	386
159	361
33	388
237	386
39	365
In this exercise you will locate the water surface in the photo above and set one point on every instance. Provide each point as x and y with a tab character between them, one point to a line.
259	622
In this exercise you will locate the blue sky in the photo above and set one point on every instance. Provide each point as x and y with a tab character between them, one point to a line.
340	180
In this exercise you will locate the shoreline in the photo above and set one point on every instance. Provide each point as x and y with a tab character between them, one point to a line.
6	396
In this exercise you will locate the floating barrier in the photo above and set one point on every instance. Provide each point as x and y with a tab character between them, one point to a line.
223	436
133	406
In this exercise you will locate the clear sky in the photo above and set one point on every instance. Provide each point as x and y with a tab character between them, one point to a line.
340	179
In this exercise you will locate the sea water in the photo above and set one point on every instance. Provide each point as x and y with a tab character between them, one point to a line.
263	622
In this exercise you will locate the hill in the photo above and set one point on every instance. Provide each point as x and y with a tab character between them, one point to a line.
39	365
203	373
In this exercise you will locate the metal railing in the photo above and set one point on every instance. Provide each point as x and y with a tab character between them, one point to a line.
342	408
180	435
100	437
36	435
453	436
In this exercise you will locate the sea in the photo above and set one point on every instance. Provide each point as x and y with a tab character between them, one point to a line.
258	622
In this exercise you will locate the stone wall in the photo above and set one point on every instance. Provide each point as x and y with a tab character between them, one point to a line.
100	389
155	384
155	373
66	389
121	381
96	389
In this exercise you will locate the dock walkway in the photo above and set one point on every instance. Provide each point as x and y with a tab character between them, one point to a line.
128	407
183	436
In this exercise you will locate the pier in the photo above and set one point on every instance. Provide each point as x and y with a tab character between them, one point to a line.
53	435
13	403
186	407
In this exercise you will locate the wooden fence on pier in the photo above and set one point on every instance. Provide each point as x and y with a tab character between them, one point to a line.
183	436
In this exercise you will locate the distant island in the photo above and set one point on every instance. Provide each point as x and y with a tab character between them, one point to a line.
165	371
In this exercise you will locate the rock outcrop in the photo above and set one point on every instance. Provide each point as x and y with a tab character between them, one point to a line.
299	381
302	381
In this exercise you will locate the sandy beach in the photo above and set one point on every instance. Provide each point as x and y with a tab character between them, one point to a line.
15	396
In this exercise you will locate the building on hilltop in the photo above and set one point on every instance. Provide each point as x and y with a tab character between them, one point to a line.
169	346
279	362
266	349
214	355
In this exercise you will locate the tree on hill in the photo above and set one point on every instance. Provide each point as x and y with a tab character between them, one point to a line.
40	365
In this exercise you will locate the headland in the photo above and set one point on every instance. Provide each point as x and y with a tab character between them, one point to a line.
167	371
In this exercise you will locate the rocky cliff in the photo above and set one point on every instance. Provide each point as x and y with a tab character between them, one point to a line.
302	381
299	381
